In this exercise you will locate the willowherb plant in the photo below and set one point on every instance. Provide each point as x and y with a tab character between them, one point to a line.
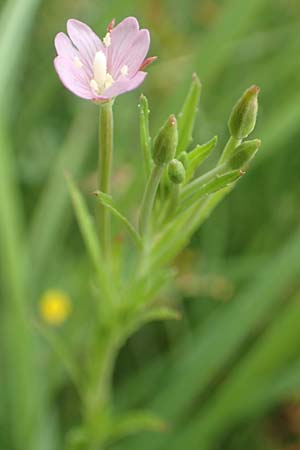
176	201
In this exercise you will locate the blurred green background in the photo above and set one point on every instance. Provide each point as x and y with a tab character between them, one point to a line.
227	376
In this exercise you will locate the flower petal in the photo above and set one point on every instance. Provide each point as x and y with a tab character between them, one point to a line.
72	77
64	46
122	38
124	85
85	40
136	55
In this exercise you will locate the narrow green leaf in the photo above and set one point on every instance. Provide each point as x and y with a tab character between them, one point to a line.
160	313
149	315
135	422
216	184
88	231
186	117
197	156
144	133
107	201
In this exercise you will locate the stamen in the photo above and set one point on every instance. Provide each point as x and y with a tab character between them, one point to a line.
94	86
78	62
102	79
124	70
109	81
107	39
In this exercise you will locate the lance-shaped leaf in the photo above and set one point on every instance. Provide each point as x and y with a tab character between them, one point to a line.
160	313
197	156
153	314
107	201
186	118
92	244
215	184
144	133
135	422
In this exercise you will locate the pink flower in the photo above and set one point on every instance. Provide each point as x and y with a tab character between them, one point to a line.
100	70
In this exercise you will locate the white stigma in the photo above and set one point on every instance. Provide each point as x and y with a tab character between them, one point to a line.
102	79
100	68
78	62
107	39
124	70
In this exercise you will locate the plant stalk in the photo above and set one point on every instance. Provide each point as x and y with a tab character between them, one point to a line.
149	197
104	181
228	151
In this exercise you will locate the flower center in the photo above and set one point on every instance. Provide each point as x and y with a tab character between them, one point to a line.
102	79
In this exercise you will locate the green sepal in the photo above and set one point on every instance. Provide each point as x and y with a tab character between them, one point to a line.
107	201
197	156
187	116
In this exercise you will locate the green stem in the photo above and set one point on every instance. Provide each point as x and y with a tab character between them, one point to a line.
98	398
149	196
145	135
229	149
173	203
105	164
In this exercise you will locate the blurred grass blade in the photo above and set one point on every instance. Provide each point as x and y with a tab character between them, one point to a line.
15	22
198	155
25	400
107	201
44	235
231	402
186	118
62	351
92	243
144	134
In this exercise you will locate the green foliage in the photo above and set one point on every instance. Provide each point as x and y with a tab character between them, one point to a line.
213	379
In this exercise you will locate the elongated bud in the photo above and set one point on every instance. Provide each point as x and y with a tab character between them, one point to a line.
165	143
244	154
243	116
176	171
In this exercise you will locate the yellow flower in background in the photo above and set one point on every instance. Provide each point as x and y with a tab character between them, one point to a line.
55	306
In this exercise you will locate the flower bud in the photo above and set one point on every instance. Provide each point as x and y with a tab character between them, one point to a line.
243	116
244	154
176	171
165	143
183	157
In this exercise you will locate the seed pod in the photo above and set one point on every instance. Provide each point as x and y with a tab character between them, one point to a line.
165	143
243	116
176	171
